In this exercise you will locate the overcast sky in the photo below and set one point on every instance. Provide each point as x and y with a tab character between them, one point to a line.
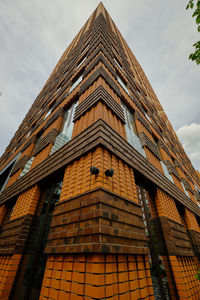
35	33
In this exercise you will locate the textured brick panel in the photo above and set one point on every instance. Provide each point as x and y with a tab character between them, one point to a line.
97	222
97	276
102	95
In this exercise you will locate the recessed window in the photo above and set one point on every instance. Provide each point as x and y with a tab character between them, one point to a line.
86	47
121	82
58	89
66	128
74	85
118	64
166	172
130	128
27	167
147	117
81	62
49	112
186	192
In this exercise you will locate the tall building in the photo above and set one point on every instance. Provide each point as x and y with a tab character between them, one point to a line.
98	198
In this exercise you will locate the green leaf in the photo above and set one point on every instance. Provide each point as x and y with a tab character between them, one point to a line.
198	19
195	13
187	6
191	5
198	28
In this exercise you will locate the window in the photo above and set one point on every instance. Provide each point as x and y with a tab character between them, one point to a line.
118	64
81	62
49	112
130	131
28	164
75	83
123	85
28	135
166	172
186	192
67	128
147	117
27	167
5	173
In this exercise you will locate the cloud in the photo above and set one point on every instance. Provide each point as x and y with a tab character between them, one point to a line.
189	135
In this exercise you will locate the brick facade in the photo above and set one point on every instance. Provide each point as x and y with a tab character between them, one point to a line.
67	233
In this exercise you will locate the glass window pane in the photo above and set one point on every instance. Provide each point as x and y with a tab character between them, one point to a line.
67	129
123	85
27	167
166	172
81	62
132	138
75	83
186	192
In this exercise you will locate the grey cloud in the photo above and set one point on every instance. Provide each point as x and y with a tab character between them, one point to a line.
189	135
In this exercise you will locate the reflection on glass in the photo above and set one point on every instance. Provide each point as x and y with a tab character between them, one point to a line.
67	129
132	138
26	167
166	172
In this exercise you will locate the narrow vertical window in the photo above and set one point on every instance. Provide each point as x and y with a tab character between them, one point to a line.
81	62
121	82
132	137
74	85
66	129
166	172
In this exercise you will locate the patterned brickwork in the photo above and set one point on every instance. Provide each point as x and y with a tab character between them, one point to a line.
191	221
99	82
140	128
177	182
13	178
56	124
153	159
166	206
42	155
8	267
26	203
28	150
97	276
2	212
78	179
184	269
100	111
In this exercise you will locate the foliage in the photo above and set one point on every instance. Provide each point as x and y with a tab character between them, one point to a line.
196	55
197	275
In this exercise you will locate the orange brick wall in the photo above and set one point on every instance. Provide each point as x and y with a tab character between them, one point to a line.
78	179
184	269
28	150
2	212
141	128
13	178
153	159
177	182
191	220
166	206
56	124
26	203
165	156
100	111
99	82
85	276
42	155
8	268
